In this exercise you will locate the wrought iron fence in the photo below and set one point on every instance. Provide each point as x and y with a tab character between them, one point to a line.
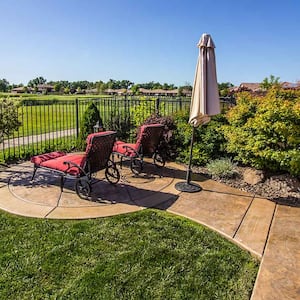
48	125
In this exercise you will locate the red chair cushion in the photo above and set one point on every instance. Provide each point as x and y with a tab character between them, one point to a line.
38	159
122	148
58	163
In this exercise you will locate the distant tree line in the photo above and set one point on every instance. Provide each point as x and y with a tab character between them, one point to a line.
67	87
64	86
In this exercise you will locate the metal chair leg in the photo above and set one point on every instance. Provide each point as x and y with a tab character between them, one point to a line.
34	171
62	183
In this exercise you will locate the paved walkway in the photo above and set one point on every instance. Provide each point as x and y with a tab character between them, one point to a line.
38	138
269	231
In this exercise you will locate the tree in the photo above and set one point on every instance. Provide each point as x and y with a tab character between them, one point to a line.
91	117
66	90
100	86
135	89
8	117
224	88
4	84
34	82
270	82
126	84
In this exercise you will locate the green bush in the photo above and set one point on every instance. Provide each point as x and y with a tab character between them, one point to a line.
222	168
142	111
90	117
209	139
264	132
119	122
8	117
145	109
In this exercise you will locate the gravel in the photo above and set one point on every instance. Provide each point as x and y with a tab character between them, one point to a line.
280	188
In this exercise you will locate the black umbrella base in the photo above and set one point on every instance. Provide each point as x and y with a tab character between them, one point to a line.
187	187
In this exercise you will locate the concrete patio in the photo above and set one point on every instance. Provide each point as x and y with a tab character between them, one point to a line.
268	230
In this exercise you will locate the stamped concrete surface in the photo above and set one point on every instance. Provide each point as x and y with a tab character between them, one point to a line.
279	274
269	231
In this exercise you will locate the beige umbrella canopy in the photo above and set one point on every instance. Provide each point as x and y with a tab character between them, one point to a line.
205	100
205	97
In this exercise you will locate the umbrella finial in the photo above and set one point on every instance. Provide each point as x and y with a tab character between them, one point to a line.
206	41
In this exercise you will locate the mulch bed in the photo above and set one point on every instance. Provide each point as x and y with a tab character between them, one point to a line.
280	188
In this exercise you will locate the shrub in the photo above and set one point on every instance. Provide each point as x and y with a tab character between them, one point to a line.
209	139
8	117
223	167
167	146
90	117
145	109
119	122
142	111
265	132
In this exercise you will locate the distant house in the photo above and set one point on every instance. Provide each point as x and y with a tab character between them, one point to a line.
45	88
290	85
158	92
116	92
40	88
161	92
255	87
187	93
149	92
21	90
146	92
92	91
250	87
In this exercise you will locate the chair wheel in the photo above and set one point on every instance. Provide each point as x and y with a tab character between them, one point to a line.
136	166
112	174
83	188
158	160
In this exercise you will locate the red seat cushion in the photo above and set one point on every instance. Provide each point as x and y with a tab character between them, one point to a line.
58	163
122	148
38	159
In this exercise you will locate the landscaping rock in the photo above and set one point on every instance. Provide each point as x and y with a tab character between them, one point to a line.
283	189
285	183
252	176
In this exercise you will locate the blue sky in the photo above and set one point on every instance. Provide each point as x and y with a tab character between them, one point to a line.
143	40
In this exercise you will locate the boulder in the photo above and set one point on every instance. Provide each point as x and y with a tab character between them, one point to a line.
253	176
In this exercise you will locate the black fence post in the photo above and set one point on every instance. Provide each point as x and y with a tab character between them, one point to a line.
157	105
77	117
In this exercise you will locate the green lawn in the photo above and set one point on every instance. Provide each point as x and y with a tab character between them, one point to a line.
144	255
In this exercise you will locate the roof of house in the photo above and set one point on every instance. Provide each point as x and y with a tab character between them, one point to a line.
290	85
45	86
115	91
247	86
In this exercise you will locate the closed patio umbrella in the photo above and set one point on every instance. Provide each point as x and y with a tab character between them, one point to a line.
205	100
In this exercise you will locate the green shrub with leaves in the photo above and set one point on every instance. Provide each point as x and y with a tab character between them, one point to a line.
90	118
264	132
222	168
119	122
8	117
209	139
145	109
142	111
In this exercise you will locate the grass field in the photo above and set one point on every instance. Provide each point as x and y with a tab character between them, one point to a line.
48	97
47	116
49	113
144	255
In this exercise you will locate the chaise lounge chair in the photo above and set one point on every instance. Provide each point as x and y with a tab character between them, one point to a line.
146	144
81	166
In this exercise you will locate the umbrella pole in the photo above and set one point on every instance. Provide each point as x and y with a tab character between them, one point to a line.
189	169
188	186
